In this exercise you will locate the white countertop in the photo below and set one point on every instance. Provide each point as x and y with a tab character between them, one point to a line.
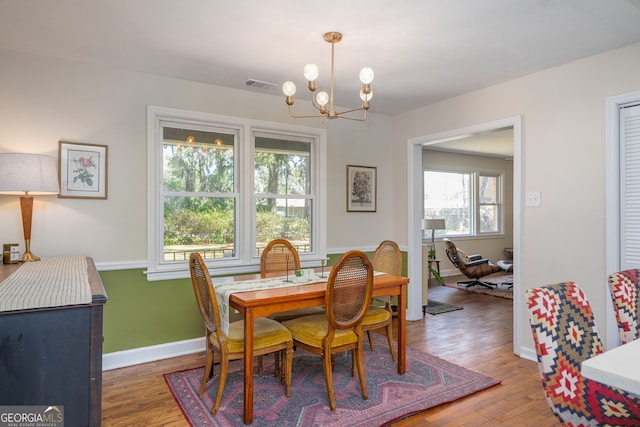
618	367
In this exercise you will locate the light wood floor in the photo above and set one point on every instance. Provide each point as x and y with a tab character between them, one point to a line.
478	337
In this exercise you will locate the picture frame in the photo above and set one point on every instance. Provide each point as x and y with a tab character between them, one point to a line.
82	170
361	188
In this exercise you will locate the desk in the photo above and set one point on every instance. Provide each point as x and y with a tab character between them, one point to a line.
252	304
617	367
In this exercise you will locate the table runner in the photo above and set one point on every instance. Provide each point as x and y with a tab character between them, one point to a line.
225	289
50	282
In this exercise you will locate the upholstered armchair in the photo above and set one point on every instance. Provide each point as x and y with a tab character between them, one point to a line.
625	293
474	267
565	335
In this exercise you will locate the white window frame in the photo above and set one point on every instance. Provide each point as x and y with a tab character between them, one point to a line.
499	202
474	226
246	261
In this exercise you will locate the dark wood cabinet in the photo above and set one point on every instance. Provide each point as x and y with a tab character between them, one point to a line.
53	356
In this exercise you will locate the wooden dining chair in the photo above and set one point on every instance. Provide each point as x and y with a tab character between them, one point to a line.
387	258
281	256
339	329
269	336
565	335
278	256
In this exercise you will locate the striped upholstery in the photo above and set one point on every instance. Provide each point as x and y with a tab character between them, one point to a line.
626	301
565	334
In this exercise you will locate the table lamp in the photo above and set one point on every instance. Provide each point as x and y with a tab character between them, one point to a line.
27	175
433	225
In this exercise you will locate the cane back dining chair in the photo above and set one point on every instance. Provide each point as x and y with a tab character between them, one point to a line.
269	336
339	329
281	256
473	267
625	292
387	258
565	334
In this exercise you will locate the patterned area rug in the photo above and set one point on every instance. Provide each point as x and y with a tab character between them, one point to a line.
428	382
503	288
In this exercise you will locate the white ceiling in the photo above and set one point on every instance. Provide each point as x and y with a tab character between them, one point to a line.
496	143
422	51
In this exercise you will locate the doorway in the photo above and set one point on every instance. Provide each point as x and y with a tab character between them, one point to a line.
614	227
415	211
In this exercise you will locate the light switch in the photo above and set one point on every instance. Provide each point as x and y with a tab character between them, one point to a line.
533	198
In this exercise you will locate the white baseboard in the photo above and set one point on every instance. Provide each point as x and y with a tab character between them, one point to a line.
135	356
529	354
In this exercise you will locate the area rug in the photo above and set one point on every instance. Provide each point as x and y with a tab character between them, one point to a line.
437	307
503	288
429	381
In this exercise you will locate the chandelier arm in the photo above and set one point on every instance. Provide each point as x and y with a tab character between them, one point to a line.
309	116
313	102
354	118
350	111
364	117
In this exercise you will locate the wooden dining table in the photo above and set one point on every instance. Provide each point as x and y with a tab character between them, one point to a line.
261	303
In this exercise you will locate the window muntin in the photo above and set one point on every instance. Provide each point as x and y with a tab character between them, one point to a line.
469	201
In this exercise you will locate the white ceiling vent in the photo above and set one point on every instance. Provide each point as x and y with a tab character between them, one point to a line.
259	84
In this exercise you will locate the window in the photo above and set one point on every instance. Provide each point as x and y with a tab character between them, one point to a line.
225	187
282	185
469	201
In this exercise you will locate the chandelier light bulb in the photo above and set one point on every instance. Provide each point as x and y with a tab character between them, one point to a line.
366	96
311	72
366	75
289	88
322	98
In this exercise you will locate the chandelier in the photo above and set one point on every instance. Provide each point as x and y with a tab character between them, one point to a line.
324	102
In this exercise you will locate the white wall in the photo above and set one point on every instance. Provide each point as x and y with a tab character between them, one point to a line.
563	112
45	100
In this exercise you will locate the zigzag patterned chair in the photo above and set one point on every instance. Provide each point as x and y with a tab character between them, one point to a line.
565	334
625	292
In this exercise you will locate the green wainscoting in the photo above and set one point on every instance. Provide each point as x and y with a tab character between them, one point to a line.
140	313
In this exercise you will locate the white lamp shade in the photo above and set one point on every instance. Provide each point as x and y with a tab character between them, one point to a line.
32	173
433	224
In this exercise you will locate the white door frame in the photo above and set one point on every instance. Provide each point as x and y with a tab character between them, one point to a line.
612	202
414	188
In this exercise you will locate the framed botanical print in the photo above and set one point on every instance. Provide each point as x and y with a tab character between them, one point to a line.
361	188
82	170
